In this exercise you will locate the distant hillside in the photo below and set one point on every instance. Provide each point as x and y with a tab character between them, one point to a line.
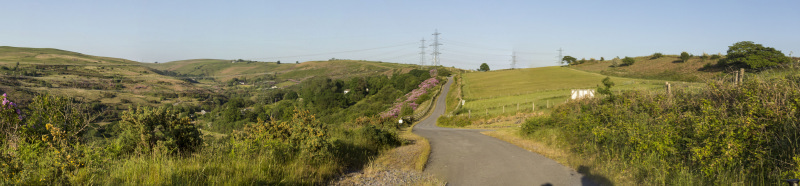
668	67
119	83
224	70
113	82
49	56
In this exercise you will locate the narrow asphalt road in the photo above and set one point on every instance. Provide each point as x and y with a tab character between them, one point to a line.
467	157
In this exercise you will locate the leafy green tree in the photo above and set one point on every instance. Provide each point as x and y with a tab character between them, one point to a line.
279	62
628	61
568	60
606	89
685	56
484	67
602	59
754	55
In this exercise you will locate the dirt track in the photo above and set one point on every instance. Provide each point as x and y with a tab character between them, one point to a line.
467	157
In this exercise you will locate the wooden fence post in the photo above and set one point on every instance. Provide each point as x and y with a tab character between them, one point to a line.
533	106
470	113
669	88
741	75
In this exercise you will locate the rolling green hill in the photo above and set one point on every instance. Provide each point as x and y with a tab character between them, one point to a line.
491	91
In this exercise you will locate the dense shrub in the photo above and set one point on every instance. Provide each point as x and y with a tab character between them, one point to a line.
379	138
685	56
751	131
628	61
656	55
302	135
45	145
147	129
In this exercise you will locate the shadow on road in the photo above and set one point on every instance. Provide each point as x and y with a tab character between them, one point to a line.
591	179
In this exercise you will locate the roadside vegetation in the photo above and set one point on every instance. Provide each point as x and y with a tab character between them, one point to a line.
727	133
724	134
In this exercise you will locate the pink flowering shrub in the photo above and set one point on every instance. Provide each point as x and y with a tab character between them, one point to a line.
10	117
10	106
411	97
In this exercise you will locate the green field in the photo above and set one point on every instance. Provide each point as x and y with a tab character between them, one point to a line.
491	91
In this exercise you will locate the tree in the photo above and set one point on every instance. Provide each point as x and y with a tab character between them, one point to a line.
685	56
628	61
296	62
606	89
568	60
602	59
279	62
484	67
754	55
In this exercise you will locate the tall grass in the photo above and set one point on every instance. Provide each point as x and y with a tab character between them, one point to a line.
747	133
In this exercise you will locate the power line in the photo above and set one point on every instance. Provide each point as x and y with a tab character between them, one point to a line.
513	59
436	47
560	57
422	53
348	51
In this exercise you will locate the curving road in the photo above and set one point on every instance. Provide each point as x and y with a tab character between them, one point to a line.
467	157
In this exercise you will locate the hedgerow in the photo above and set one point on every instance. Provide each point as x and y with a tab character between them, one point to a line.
748	132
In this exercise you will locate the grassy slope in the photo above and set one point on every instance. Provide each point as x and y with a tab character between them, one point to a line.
495	89
668	67
11	55
225	70
61	72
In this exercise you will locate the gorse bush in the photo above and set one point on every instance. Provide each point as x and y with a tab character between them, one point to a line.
147	129
44	145
749	132
302	135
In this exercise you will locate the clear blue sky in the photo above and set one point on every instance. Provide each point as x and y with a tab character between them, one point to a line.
472	31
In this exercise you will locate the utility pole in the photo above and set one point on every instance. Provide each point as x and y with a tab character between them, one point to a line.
560	57
422	53
436	48
513	59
